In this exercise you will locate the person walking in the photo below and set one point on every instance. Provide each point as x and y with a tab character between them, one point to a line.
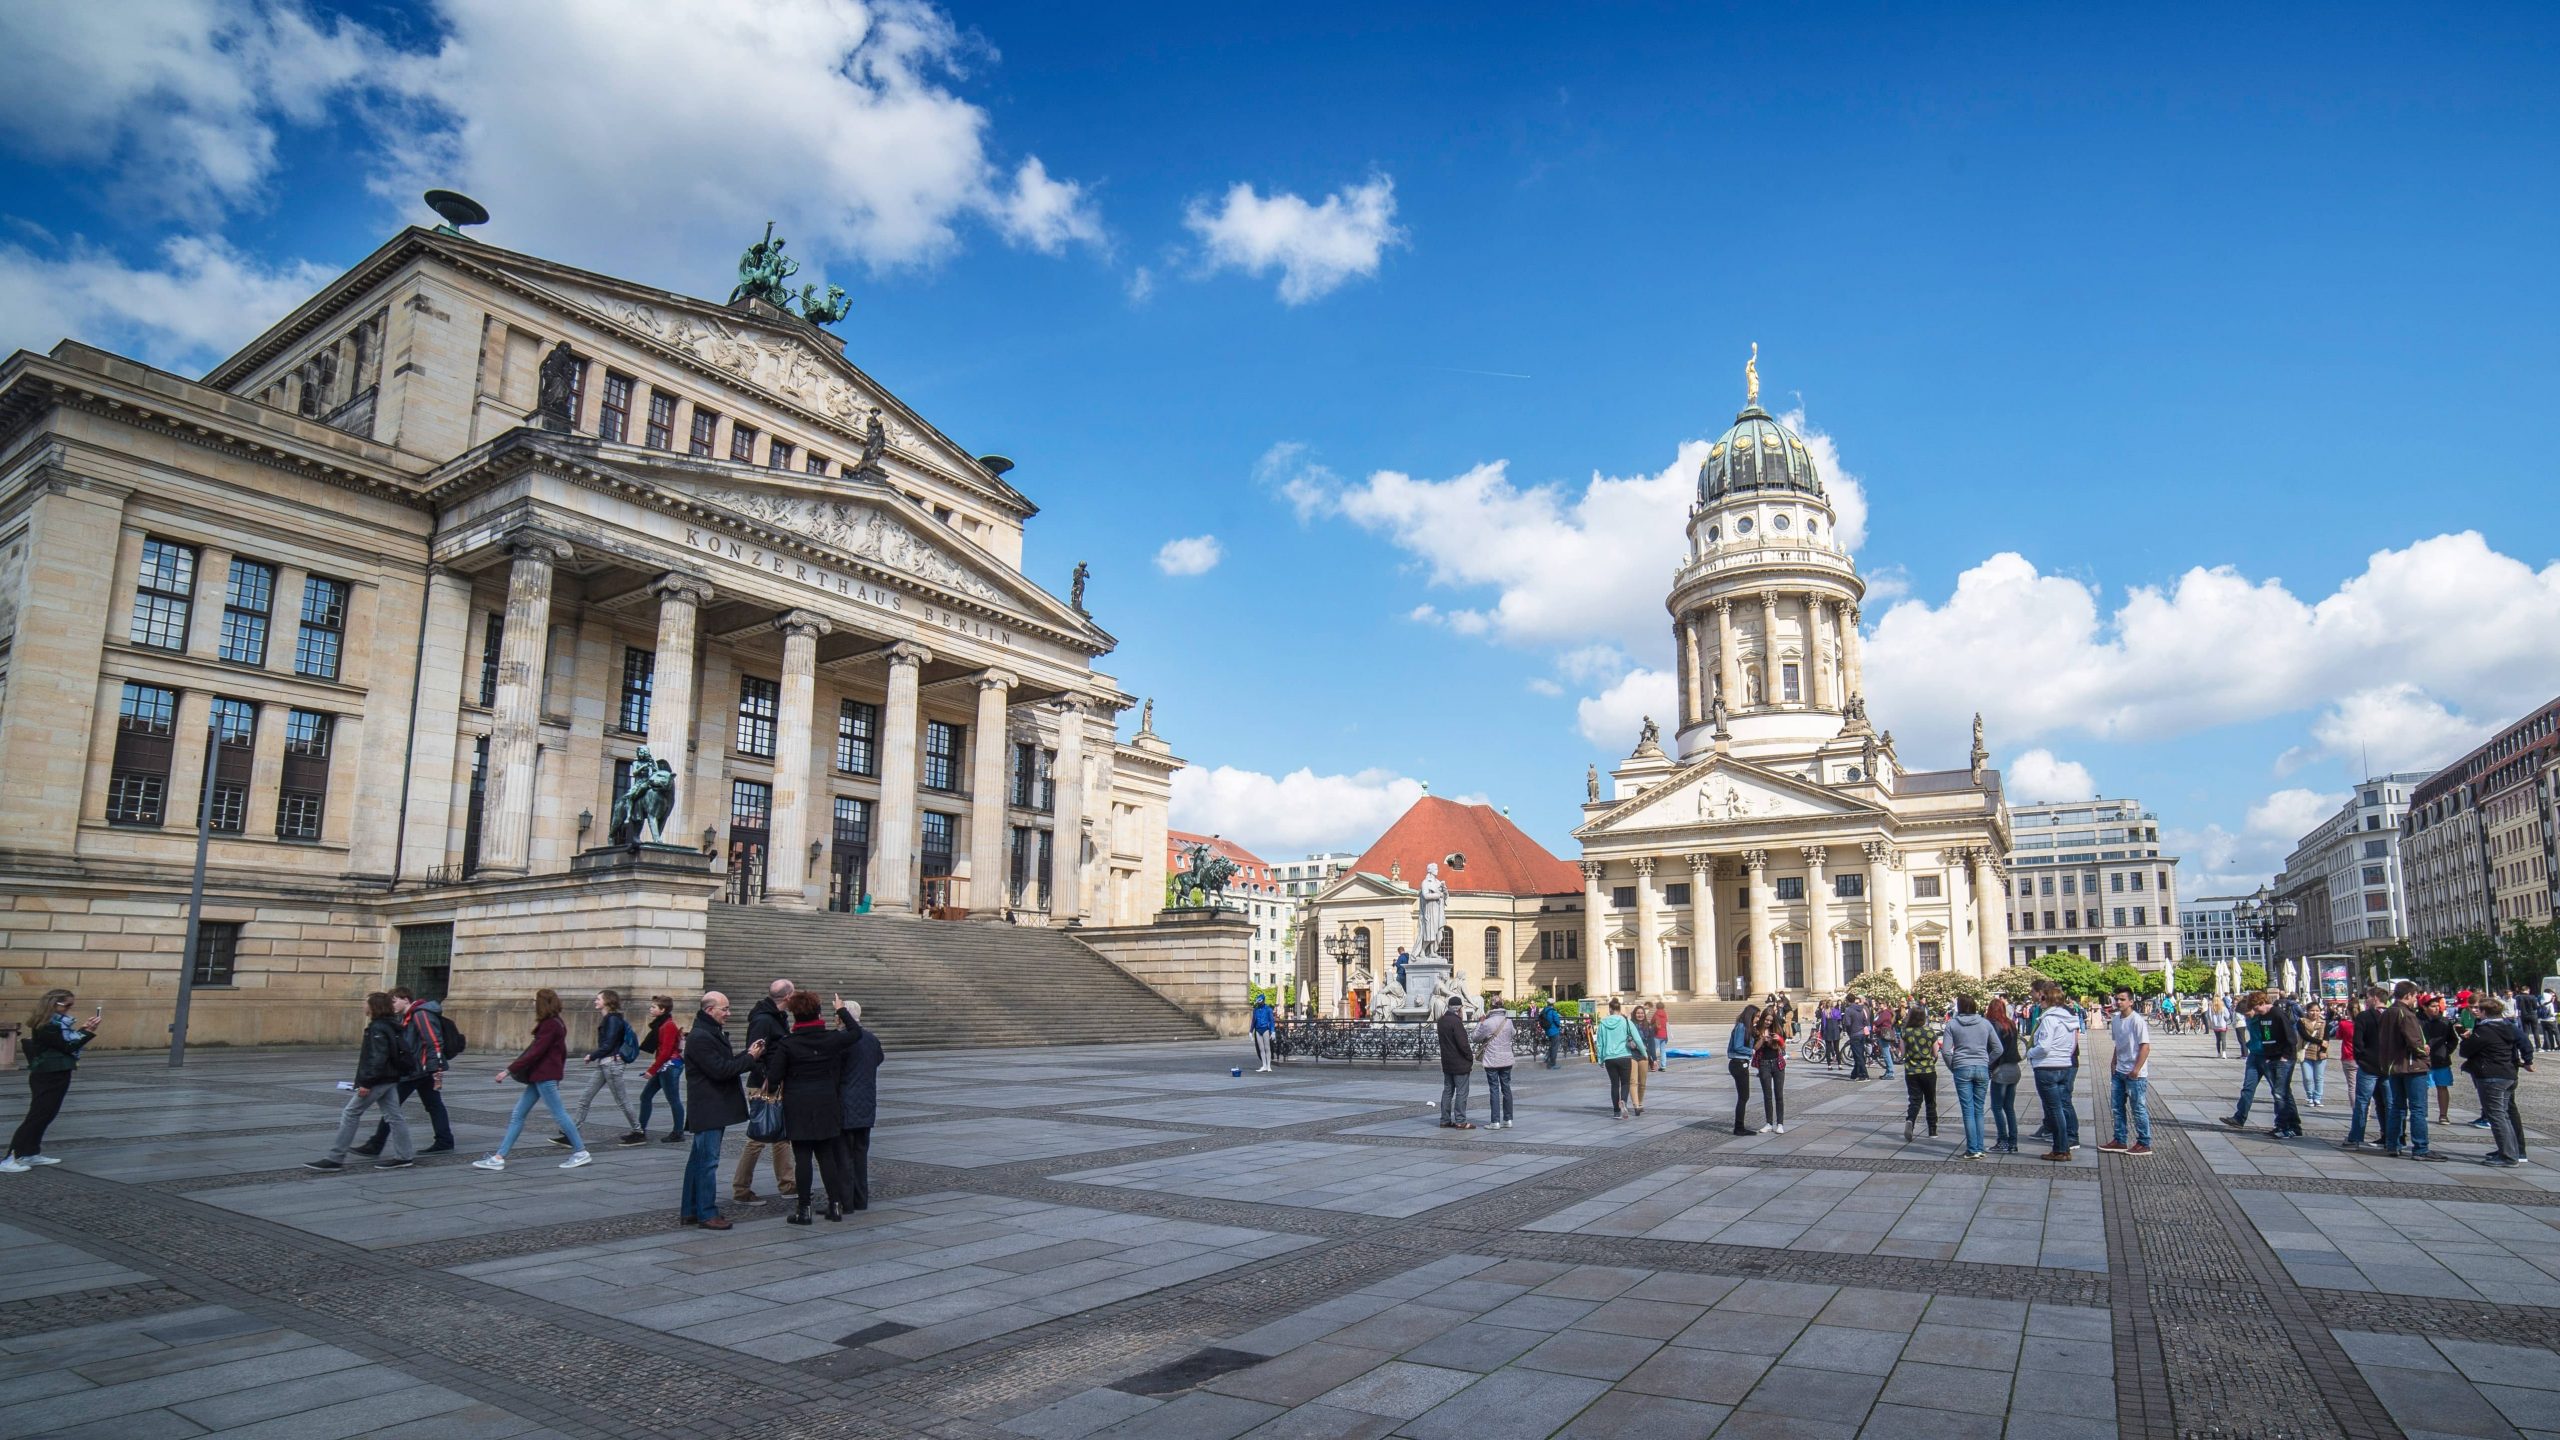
1855	1021
2404	1052
1265	1022
1968	1042
383	1060
54	1042
1769	1057
1661	1036
1494	1033
808	1068
1613	1044
1638	1024
2311	1043
860	1095
2440	1041
766	1023
2008	1064
715	1099
666	1068
2492	1055
1551	1025
2276	1036
420	1026
2217	1018
1919	1070
1881	1021
1457	1062
538	1069
2129	1076
1737	1065
2054	1056
617	1045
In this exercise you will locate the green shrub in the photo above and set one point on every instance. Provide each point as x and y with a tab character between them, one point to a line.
1879	987
2014	984
1939	988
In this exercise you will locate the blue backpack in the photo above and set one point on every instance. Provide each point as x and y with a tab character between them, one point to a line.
629	1049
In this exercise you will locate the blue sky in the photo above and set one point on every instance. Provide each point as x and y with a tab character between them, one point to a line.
2194	366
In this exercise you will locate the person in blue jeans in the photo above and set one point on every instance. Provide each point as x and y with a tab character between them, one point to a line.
715	1099
2372	1096
2404	1041
2055	1058
2129	1077
1969	1043
538	1069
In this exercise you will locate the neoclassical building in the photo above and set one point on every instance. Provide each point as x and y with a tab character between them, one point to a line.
422	569
1779	843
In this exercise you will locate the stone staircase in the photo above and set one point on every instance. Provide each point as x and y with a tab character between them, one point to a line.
938	984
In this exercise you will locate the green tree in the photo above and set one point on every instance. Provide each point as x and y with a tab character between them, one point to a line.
2015	983
2194	979
1879	987
2076	975
1939	988
2532	951
2253	976
2119	976
2454	962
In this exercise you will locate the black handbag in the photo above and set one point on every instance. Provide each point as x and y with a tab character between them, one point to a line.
764	1116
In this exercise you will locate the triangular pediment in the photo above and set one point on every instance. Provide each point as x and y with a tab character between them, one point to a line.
1361	885
1720	790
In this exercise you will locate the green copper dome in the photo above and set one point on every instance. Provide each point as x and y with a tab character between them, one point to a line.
1758	453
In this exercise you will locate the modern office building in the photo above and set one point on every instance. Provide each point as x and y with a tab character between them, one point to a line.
2210	933
2344	875
2088	877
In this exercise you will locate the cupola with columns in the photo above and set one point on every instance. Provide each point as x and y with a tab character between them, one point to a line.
1764	606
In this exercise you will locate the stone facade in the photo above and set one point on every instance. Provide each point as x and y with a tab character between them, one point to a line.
2481	841
430	628
1781	845
2088	877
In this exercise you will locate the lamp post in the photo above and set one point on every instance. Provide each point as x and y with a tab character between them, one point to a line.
2265	916
1344	949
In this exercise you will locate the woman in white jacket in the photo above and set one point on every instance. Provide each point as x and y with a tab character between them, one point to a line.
1493	1033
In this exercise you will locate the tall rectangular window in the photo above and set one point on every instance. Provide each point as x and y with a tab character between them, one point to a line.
858	738
577	393
1853	959
165	595
750	805
217	947
247	601
661	434
235	725
1790	887
778	455
493	635
853	821
324	627
303	794
1790	682
613	418
1928	956
706	429
639	678
742	444
941	833
138	783
756	701
942	744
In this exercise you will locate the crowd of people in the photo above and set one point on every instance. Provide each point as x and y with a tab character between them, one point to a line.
2398	1050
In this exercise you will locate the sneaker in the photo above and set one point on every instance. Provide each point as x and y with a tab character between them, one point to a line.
441	1147
561	1140
1970	1155
2500	1161
1781	1129
2139	1150
324	1165
1907	1127
636	1137
2481	1124
678	1138
2234	1122
12	1165
393	1164
1765	1129
490	1162
2351	1144
2429	1156
368	1149
2112	1147
574	1161
40	1159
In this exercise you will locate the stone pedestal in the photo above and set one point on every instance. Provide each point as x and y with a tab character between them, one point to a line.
1196	956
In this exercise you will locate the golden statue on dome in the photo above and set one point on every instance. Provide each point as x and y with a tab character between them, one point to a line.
1751	377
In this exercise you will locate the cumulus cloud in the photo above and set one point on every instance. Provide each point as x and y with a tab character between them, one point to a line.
2038	776
1293	813
203	298
1540	685
2387	728
2457	626
1046	215
1191	555
1316	248
1611	719
2219	860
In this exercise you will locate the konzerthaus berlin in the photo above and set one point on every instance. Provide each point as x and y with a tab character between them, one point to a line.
424	634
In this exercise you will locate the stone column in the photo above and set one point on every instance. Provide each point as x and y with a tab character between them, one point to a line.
1770	694
1817	651
1066	861
1886	949
1703	968
987	799
1991	894
1694	678
1728	675
1964	943
1595	932
893	844
1763	964
506	832
787	858
1822	963
671	702
1650	979
433	747
1853	675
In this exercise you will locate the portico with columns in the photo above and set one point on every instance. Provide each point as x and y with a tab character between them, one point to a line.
1778	842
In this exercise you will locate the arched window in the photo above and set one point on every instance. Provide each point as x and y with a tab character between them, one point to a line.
1492	952
1360	937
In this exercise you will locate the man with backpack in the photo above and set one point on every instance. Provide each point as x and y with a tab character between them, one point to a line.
1265	1022
1551	1025
617	1045
436	1043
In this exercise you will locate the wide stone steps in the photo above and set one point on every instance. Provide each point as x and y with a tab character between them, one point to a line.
934	984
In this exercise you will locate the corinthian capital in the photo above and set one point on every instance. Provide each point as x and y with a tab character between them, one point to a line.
1644	865
1592	870
1755	861
1816	856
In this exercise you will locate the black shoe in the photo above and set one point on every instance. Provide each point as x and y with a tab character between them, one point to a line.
369	1148
799	1216
441	1147
677	1138
834	1211
636	1137
394	1164
562	1141
324	1165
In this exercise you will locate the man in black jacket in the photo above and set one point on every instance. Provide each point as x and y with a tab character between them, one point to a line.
2492	1053
1457	1062
714	1100
383	1060
2372	1095
766	1025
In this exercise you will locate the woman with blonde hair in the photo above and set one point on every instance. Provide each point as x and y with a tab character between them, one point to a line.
53	1052
538	1070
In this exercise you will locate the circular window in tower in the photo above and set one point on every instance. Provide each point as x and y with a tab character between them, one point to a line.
1812	527
1780	522
1742	526
1713	534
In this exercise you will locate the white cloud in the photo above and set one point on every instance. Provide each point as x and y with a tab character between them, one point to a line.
2390	727
2219	861
2289	814
1316	248
1191	555
1540	685
2444	627
1293	813
2038	776
181	98
1847	492
203	298
1306	484
1142	285
1611	719
1047	214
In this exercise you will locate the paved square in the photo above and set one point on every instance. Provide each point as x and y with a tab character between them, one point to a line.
2458	1248
1005	1140
1323	1176
1243	1112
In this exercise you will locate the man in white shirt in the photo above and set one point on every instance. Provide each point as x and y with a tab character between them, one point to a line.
2131	1081
2054	1056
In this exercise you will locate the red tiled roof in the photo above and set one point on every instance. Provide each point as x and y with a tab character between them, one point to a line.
1501	859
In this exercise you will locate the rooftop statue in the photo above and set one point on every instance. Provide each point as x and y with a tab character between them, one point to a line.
556	389
1751	377
823	310
1075	594
875	439
762	275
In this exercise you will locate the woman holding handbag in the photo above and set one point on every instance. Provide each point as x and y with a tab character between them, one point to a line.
808	1069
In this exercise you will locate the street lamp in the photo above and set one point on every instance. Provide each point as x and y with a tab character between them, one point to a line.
1344	948
2265	916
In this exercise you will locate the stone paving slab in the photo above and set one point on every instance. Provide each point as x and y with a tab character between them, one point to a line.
1004	1140
1324	1176
2454	1248
1245	1112
32	1265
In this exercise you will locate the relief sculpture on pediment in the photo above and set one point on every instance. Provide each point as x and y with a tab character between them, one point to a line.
857	530
778	366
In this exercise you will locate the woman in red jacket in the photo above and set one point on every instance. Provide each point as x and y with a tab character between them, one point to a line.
539	1070
666	1067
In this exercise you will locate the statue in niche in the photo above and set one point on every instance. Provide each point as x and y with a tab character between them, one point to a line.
1717	713
875	439
556	384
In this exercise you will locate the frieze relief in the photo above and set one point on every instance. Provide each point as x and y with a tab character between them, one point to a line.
856	529
13	570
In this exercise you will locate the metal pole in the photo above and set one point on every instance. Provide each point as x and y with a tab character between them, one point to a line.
195	898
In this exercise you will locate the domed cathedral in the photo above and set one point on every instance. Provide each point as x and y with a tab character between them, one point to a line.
1780	843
